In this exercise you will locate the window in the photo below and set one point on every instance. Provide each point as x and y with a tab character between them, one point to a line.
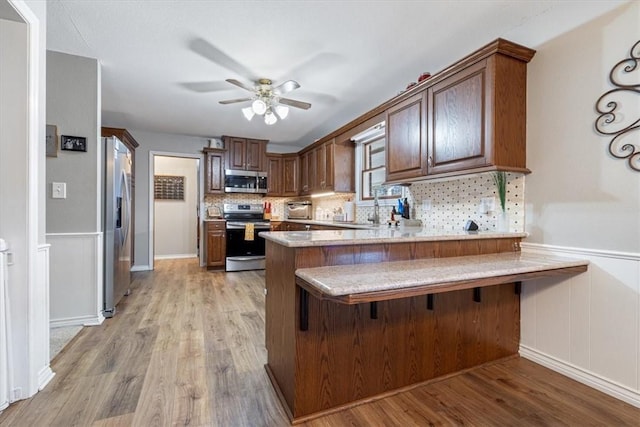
370	168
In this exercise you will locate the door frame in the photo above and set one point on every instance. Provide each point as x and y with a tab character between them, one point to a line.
152	156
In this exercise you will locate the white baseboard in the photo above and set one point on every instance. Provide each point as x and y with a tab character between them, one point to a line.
44	376
176	256
77	321
140	268
583	376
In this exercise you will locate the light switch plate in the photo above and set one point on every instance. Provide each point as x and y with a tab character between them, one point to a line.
426	205
59	190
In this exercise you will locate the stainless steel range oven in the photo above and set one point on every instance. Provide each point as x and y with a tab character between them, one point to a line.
244	254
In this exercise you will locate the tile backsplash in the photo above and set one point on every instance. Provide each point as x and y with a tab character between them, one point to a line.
449	203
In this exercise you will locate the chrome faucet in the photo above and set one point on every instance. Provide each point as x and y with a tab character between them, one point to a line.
376	209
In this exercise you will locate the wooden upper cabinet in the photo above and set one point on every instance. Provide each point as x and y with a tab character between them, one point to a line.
457	112
255	152
274	175
477	118
245	154
283	174
406	151
290	179
341	157
320	182
327	166
307	172
214	171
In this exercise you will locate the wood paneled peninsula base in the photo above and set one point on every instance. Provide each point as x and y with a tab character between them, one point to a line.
389	309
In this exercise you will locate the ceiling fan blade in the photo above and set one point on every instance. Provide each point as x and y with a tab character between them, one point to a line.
233	101
286	87
240	84
294	103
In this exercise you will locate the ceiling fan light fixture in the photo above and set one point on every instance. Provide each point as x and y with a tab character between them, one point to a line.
248	113
259	107
270	118
282	111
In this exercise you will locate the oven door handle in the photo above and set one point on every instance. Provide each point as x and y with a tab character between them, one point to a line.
247	258
235	227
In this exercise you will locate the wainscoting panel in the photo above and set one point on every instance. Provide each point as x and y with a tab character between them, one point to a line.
76	279
587	326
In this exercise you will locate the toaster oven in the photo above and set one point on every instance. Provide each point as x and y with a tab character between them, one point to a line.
299	210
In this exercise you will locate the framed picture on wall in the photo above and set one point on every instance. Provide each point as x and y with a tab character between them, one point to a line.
52	141
73	143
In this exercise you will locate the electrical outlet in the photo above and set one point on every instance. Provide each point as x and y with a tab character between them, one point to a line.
487	204
59	190
426	205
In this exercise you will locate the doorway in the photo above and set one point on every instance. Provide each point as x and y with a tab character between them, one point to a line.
175	199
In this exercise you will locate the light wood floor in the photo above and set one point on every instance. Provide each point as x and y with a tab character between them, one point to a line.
187	348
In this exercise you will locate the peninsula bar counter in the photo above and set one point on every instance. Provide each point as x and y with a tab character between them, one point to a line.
337	337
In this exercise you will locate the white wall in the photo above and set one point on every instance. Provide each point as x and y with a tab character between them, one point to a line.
581	202
176	221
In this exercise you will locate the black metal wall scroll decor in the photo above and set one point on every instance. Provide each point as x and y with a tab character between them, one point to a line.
620	112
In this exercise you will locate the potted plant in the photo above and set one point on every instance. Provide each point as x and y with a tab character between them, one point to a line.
502	220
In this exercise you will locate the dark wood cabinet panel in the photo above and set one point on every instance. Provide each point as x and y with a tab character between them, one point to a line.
216	243
236	152
329	166
274	174
245	154
458	124
255	154
320	182
477	118
214	171
406	139
341	169
307	172
290	179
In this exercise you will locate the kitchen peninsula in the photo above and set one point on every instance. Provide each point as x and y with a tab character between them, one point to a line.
426	304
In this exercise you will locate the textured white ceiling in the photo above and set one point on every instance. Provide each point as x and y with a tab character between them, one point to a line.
164	62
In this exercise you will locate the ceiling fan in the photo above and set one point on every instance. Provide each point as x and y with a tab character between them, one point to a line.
267	100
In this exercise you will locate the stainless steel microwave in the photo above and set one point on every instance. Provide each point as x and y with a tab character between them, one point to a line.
239	181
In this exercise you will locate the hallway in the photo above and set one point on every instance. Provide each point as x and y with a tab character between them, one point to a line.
187	348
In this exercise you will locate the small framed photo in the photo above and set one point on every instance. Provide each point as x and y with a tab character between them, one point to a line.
73	143
52	141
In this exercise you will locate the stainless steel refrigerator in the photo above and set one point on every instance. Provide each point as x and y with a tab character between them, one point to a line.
116	223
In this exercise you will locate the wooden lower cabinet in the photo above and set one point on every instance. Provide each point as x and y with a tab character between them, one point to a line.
216	243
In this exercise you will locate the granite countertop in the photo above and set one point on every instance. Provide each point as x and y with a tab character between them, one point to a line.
345	224
380	234
340	280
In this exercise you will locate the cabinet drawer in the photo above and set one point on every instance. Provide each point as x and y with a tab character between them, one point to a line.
216	225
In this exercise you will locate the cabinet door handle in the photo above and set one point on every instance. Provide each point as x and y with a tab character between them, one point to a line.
430	161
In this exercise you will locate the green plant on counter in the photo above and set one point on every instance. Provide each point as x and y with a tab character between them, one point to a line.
500	179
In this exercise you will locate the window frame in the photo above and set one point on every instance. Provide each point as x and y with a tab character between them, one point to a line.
360	153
